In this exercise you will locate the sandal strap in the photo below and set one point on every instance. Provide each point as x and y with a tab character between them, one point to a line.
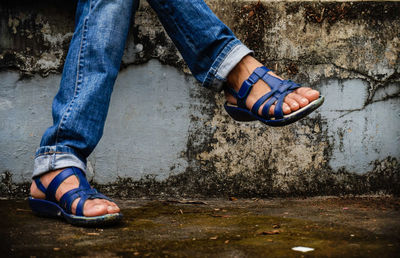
40	185
88	194
261	101
83	183
286	88
68	198
56	182
247	85
278	111
83	193
283	91
267	106
274	84
81	203
279	90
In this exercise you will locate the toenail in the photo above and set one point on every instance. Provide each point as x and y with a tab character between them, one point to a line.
112	208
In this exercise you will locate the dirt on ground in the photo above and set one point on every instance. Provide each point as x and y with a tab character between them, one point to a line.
330	226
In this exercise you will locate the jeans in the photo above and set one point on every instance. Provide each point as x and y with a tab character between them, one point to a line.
80	107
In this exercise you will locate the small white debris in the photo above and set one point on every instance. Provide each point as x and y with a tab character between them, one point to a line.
302	249
139	47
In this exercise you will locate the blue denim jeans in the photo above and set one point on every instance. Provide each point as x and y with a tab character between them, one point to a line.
80	107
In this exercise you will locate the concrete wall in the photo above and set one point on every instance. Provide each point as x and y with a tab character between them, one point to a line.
166	135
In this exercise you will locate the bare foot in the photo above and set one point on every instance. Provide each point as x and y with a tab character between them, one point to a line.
91	208
301	97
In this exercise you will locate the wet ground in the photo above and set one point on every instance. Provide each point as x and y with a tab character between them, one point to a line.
333	227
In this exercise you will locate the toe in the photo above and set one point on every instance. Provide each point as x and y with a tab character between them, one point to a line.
271	110
98	207
95	210
95	207
308	93
91	208
302	101
286	109
311	95
113	209
302	90
292	104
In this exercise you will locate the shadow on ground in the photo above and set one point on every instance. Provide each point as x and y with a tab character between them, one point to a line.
349	227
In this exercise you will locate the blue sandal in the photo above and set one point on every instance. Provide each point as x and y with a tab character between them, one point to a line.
279	90
62	209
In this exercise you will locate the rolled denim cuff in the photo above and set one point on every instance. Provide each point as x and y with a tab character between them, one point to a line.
225	62
49	158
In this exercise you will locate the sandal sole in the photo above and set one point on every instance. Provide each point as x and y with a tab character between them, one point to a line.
245	115
49	209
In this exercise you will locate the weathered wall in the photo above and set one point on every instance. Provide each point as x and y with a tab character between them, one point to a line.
167	135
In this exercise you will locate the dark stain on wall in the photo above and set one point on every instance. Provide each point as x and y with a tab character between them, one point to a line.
207	183
371	12
253	20
22	40
31	32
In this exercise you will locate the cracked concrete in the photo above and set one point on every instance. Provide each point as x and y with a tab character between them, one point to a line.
347	50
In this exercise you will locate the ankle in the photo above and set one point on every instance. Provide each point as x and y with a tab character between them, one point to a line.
242	71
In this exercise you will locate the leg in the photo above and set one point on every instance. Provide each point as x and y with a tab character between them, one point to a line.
207	45
81	105
215	55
